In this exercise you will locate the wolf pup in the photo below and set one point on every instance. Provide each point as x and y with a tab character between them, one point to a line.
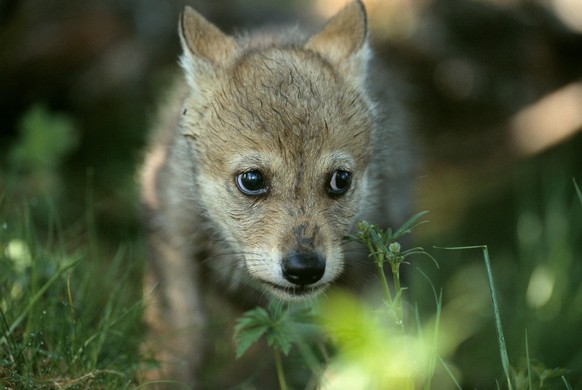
269	151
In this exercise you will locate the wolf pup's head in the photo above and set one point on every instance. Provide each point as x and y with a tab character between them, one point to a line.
280	130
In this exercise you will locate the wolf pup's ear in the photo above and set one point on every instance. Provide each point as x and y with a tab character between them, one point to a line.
205	47
343	41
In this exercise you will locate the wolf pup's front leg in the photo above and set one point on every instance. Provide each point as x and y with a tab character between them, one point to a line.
174	311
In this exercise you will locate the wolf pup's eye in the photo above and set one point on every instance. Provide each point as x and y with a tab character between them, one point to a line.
251	183
339	182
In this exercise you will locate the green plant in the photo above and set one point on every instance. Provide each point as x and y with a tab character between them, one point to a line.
377	347
280	325
67	319
384	247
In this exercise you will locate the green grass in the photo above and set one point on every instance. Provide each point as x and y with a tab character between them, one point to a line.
70	312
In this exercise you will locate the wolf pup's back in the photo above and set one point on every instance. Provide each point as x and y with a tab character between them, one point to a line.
270	150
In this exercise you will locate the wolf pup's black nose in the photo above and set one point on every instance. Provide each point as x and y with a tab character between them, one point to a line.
303	268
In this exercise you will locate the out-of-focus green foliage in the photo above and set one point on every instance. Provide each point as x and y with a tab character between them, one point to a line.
44	140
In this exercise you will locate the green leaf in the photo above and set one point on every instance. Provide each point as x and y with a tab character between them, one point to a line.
251	318
247	337
249	328
377	240
281	339
544	373
409	225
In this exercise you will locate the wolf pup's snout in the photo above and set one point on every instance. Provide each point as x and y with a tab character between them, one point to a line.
303	268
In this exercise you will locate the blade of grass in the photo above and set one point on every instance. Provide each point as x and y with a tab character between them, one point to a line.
433	353
409	225
578	191
498	326
436	333
450	373
496	314
36	297
9	340
528	361
566	383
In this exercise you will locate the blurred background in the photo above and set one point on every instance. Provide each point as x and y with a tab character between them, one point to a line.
495	88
